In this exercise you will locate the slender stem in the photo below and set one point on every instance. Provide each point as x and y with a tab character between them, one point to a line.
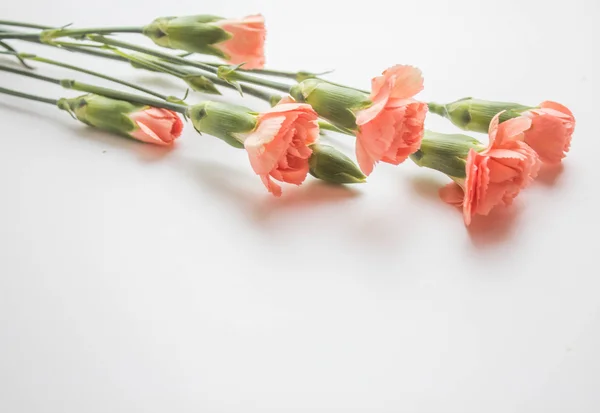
116	94
12	49
110	93
28	96
92	73
181	61
154	64
27	25
181	73
243	77
252	91
323	124
166	56
266	72
29	73
19	35
89	51
349	87
95	30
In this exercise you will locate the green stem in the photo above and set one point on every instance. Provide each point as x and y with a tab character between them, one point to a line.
29	73
249	90
89	72
349	87
181	61
95	30
166	56
19	35
243	77
110	93
88	49
116	94
180	72
266	72
12	49
28	96
323	124
27	25
91	51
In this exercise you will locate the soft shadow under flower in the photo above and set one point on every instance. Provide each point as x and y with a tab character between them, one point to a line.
497	227
311	194
427	186
550	173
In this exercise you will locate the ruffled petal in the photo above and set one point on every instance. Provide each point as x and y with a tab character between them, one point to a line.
452	194
405	82
512	129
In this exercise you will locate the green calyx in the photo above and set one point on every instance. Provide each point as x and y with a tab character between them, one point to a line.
330	165
102	112
335	103
446	153
202	84
475	114
194	34
225	121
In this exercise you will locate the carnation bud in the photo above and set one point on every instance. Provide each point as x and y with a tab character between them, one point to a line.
102	112
200	83
330	165
194	34
474	114
446	153
335	103
223	120
144	123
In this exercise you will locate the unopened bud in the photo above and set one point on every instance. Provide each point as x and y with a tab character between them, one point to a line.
335	103
225	121
202	84
195	34
446	153
102	112
330	165
474	114
144	123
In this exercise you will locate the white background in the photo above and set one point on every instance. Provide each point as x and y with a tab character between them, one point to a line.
139	279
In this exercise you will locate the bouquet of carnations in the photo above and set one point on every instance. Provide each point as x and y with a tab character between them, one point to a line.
283	142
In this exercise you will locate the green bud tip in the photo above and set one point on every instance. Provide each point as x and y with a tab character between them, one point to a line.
330	165
475	114
446	153
274	100
225	121
337	104
194	34
438	109
202	84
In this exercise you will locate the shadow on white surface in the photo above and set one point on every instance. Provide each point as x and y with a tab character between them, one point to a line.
550	174
30	110
228	182
427	186
146	152
496	228
311	194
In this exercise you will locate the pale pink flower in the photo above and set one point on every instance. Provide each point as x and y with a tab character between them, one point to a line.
278	147
497	174
551	130
392	128
155	125
247	42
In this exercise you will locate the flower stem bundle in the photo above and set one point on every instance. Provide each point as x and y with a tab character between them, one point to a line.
283	143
